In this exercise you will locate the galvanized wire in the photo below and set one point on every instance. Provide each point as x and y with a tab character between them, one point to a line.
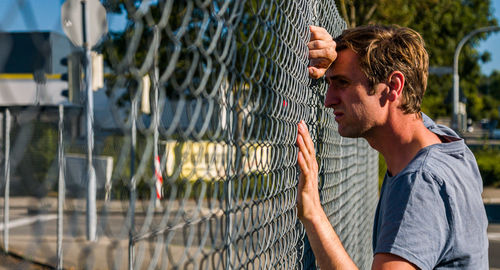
195	154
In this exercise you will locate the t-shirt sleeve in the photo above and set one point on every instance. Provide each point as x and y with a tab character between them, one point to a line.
415	223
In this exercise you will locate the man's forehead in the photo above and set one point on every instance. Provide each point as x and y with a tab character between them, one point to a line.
329	71
346	60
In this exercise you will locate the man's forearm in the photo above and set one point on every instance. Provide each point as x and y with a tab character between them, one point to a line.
326	245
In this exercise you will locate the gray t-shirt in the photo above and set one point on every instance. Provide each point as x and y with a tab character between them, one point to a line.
431	213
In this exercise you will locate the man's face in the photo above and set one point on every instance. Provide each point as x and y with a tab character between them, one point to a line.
356	113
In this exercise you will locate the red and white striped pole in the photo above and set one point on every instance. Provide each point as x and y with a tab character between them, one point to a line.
159	178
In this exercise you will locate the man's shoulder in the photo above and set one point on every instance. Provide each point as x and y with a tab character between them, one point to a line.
450	164
449	157
437	128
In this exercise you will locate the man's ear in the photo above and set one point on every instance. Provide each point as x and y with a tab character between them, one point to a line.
396	82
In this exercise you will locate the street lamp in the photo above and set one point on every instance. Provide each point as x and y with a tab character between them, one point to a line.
454	123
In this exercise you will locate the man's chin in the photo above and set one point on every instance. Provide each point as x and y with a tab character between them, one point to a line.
348	133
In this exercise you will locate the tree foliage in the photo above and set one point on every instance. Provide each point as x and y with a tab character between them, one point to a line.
442	23
489	90
188	37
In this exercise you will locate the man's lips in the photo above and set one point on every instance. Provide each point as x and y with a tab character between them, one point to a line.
338	114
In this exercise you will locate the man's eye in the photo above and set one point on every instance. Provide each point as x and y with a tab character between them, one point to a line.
339	83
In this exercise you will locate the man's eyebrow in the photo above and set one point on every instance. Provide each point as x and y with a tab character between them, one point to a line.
336	77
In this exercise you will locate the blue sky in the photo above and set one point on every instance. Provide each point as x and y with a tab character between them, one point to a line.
45	15
39	15
492	44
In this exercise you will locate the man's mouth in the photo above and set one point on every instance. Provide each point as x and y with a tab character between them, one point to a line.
338	115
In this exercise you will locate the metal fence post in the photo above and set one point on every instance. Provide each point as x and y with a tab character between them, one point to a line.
133	183
155	117
91	185
91	178
6	174
156	121
228	197
61	189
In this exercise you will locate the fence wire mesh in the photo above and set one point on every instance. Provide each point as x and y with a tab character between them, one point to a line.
188	153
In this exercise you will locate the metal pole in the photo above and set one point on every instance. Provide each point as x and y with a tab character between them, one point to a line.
91	184
229	179
456	78
61	190
156	117
7	178
133	185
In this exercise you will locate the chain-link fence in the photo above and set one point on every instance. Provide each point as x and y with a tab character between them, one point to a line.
186	158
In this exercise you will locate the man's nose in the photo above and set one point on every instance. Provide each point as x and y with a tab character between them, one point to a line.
331	98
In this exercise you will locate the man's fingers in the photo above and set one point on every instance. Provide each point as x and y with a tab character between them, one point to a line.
303	148
328	54
320	63
304	133
319	33
315	73
302	163
306	137
322	44
318	44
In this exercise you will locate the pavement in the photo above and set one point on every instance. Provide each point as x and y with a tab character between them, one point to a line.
33	234
491	199
494	248
33	237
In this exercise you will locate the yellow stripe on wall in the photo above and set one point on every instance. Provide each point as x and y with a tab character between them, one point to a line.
26	76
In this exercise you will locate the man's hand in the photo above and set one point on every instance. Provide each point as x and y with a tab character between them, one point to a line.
321	51
308	203
326	245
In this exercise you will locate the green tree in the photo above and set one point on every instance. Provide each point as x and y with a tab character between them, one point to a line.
489	93
36	161
490	85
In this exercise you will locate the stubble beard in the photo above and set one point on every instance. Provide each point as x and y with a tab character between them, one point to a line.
351	130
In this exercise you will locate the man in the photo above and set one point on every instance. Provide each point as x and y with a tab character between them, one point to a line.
430	213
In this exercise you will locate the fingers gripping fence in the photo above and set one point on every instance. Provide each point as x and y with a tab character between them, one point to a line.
194	146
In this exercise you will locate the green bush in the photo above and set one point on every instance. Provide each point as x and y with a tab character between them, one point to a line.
488	161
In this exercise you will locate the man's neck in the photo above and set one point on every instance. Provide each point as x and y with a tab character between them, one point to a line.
400	139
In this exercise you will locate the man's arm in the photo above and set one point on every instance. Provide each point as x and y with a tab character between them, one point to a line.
325	243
